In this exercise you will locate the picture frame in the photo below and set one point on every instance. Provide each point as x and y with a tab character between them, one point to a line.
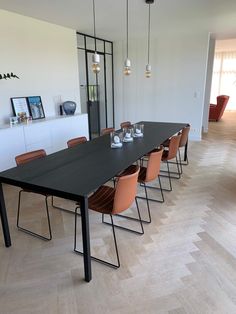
20	106
35	106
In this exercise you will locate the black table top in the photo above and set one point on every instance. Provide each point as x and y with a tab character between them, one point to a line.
76	172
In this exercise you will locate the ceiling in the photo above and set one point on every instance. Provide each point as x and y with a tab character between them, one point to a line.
77	14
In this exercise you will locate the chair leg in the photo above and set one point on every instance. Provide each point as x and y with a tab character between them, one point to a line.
168	176
61	208
178	168
95	258
173	173
155	188
29	231
186	154
131	218
180	162
148	209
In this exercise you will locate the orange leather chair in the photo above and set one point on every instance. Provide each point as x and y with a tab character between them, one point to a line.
20	160
169	154
146	175
182	144
216	111
107	131
111	201
75	141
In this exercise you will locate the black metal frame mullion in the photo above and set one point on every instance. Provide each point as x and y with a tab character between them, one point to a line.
105	81
113	88
87	83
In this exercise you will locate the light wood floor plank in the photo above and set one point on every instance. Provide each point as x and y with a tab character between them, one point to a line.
185	262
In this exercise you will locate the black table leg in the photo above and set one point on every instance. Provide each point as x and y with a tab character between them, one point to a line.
86	238
3	215
186	151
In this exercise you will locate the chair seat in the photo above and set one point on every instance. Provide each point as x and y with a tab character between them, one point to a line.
131	169
102	200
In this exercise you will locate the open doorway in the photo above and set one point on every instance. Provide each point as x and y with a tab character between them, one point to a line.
224	72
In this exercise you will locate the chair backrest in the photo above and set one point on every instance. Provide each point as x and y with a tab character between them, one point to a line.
153	165
27	157
184	136
75	141
126	189
173	146
222	101
125	124
107	131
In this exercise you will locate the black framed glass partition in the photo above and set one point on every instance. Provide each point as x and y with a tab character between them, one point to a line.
96	90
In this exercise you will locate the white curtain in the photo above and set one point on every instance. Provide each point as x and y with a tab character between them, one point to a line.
224	78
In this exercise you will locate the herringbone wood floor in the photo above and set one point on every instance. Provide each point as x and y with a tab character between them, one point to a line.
184	263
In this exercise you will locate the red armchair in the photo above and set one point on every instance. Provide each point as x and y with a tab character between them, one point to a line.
216	111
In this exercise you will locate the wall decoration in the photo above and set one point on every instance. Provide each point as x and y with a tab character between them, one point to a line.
5	76
36	107
20	106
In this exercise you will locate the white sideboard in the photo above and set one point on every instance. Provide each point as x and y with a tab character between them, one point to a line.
50	134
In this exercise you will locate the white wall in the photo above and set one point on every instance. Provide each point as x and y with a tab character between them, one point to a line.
44	56
175	92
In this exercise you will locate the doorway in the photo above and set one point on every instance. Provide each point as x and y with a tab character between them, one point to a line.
224	72
96	90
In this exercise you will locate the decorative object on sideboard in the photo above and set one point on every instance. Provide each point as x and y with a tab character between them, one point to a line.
69	107
20	106
36	107
6	76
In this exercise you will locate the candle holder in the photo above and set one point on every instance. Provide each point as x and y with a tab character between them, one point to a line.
116	139
138	130
128	135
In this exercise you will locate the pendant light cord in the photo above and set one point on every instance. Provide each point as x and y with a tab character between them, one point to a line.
94	25
149	30
127	28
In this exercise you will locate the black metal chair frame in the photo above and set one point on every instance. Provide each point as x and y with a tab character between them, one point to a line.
27	230
114	237
61	208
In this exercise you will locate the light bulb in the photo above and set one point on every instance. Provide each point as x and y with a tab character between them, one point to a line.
96	68
127	71
148	72
127	67
96	63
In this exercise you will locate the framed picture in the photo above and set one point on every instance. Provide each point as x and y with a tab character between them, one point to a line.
20	106
36	107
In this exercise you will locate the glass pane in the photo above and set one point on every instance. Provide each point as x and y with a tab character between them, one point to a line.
110	122
100	45
108	47
82	80
80	41
101	84
90	43
96	90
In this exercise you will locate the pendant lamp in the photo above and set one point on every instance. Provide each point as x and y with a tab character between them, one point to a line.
127	63
95	58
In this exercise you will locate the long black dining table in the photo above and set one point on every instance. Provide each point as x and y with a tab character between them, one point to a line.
76	172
